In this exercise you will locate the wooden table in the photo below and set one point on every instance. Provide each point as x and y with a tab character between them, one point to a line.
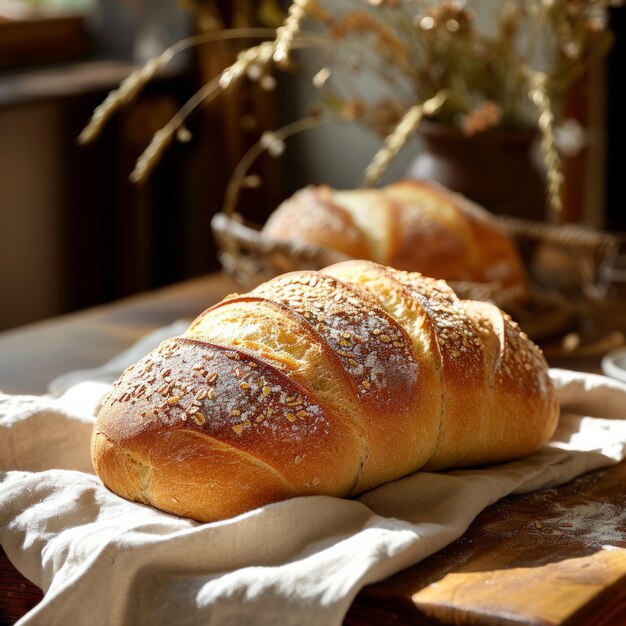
536	559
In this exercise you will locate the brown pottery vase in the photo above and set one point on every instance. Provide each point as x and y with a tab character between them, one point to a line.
494	168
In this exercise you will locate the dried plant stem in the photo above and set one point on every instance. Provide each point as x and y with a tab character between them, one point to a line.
401	134
538	94
257	55
286	33
127	91
261	55
134	83
276	138
164	137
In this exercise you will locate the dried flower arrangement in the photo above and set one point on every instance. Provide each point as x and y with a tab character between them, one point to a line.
513	72
434	58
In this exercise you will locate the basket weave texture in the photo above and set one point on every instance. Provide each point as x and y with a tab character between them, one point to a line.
564	264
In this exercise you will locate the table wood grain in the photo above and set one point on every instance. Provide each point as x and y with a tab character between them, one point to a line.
31	356
554	557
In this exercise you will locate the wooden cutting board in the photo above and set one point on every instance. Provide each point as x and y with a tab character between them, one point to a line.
556	557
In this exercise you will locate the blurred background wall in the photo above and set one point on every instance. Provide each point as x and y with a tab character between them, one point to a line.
75	233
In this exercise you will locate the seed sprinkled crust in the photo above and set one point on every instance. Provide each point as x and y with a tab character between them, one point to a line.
277	401
351	318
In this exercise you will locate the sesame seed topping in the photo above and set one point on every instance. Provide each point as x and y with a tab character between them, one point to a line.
211	394
366	384
199	419
377	331
298	459
173	399
345	354
238	428
385	338
201	395
291	417
266	391
235	412
244	385
212	377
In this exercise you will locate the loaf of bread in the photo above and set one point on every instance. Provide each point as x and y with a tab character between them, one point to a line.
409	225
328	382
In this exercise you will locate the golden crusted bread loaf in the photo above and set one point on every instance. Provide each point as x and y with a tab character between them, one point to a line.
410	225
328	382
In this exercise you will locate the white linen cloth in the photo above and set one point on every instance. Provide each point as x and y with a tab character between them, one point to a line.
102	560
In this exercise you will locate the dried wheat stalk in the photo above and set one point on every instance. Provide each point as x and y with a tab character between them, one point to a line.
286	33
130	87
404	130
538	94
272	142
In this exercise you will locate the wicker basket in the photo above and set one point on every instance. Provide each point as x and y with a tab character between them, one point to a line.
565	265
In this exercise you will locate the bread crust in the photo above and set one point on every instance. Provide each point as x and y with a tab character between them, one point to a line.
410	225
327	382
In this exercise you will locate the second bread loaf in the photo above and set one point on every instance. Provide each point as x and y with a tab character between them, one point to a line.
410	225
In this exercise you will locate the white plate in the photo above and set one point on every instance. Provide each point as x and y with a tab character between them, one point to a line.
614	364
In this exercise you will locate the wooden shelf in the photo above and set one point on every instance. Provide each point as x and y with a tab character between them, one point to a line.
30	85
43	40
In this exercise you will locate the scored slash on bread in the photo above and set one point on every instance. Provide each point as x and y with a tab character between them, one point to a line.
329	382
